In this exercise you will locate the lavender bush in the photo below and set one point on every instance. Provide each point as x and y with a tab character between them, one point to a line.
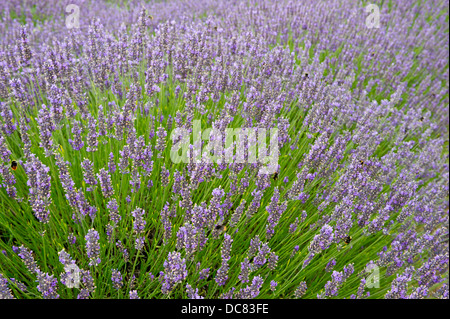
357	204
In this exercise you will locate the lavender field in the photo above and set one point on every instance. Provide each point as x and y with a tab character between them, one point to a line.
224	149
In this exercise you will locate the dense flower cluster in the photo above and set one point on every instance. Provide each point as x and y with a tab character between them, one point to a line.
355	206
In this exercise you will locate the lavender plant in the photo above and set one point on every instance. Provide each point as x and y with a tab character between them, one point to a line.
356	206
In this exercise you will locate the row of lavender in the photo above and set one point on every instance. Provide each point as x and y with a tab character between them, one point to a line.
362	126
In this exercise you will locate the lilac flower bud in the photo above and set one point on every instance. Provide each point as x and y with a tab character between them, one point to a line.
5	291
293	226
111	163
19	285
330	265
139	222
93	247
272	261
77	143
161	142
139	243
134	294
105	183
226	248
229	294
47	285
273	285
214	206
84	294
72	239
256	202
102	131
91	140
165	214
301	290
8	180
260	258
135	181
88	281
174	271
4	151
28	259
332	287
191	293
252	291
125	157
39	183
65	258
275	211
420	292
24	48
245	271
348	270
204	273
113	208
361	287
255	243
442	292
143	156
88	174
165	173
46	127
116	278
322	241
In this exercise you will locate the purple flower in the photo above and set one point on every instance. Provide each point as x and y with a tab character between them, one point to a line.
139	222
77	143
72	239
174	271
91	140
48	285
191	293
5	291
111	163
330	265
105	183
204	273
160	142
251	291
93	247
40	190
134	294
246	268
273	285
88	173
46	127
28	259
116	278
301	290
322	241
